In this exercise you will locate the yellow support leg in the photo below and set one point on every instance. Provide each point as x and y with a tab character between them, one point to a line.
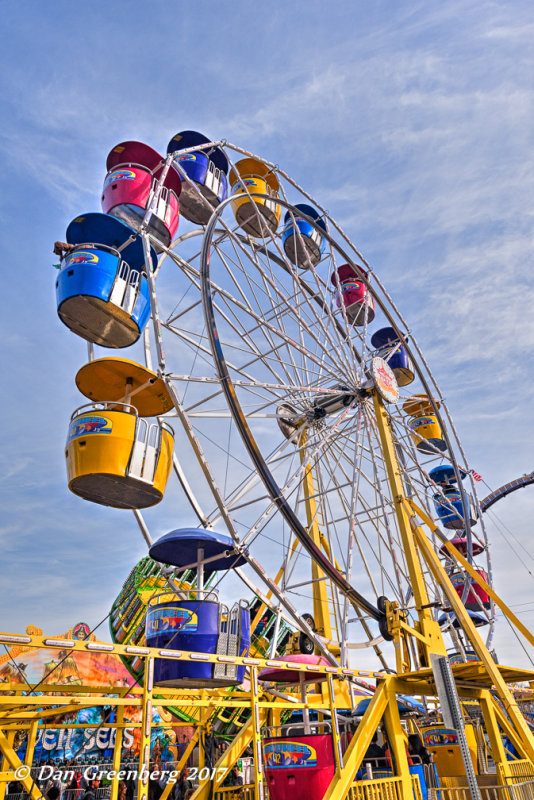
256	738
201	750
230	756
507	611
187	752
4	763
512	709
432	640
509	731
397	741
146	727
335	729
10	756
30	746
117	751
492	728
321	607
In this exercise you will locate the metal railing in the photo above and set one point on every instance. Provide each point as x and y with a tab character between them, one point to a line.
520	769
102	793
235	792
522	790
383	789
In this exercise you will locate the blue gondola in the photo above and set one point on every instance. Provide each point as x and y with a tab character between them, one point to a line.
444	475
456	657
389	348
102	294
449	508
304	245
207	169
405	704
199	623
477	618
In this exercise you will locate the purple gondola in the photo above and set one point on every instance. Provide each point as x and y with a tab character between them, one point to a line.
304	243
207	170
199	623
389	347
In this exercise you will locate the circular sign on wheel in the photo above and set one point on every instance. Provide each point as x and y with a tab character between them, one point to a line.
384	380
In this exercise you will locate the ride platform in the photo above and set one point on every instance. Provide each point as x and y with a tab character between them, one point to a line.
471	675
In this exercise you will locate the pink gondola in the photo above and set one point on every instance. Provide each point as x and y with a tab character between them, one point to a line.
299	757
352	292
133	171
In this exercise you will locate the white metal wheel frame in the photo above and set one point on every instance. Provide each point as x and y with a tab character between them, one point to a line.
282	340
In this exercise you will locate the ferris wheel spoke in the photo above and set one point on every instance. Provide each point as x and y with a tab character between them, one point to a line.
173	318
250	482
393	545
259	359
321	292
372	519
263	319
368	518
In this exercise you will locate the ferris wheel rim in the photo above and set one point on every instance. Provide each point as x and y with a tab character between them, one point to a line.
208	231
283	506
241	422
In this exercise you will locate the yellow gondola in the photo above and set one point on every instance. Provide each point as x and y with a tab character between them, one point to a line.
257	216
425	428
120	379
114	456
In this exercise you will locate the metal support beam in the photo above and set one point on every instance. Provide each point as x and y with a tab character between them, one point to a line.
507	698
256	738
321	607
453	716
339	787
506	610
338	755
426	625
397	741
498	753
187	752
117	751
229	757
28	784
146	724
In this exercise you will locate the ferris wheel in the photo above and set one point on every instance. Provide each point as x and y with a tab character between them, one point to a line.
283	375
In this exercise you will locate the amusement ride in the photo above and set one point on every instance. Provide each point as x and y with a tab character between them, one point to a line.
273	393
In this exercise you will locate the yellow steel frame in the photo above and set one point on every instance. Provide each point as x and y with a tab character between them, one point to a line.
19	711
478	682
321	606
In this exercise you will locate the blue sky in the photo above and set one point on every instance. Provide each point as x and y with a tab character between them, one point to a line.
413	123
